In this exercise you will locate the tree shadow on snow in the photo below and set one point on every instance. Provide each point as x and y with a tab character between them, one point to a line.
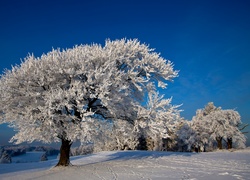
101	157
124	155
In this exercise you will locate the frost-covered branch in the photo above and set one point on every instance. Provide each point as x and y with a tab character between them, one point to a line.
67	94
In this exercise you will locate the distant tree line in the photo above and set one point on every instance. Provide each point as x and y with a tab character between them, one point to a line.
210	129
7	152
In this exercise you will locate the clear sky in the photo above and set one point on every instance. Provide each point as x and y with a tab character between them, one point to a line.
207	40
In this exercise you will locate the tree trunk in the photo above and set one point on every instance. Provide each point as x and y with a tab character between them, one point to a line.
229	143
142	145
219	142
64	153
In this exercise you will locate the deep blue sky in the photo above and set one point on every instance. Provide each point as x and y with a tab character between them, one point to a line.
207	40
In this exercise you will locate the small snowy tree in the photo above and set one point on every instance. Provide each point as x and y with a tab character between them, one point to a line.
1	151
186	136
67	95
200	126
44	157
213	124
157	121
189	138
223	125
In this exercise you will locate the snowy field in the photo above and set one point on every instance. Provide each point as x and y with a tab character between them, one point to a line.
133	165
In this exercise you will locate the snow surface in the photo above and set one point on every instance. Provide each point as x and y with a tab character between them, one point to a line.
132	165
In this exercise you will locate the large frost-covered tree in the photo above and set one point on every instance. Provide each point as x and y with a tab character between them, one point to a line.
67	95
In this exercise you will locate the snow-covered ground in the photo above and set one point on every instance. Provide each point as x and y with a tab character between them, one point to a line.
133	165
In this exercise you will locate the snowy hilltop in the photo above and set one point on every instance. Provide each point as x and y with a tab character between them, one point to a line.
134	165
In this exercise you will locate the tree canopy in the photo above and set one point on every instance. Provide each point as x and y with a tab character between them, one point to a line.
213	125
68	94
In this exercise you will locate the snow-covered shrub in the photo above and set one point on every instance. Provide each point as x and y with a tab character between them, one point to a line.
1	151
44	157
157	122
5	158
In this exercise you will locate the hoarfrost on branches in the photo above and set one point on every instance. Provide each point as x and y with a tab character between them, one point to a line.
213	125
155	122
223	125
62	94
159	115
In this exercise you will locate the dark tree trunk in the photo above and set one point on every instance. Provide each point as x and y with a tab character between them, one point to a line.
197	149
64	153
229	143
142	145
219	142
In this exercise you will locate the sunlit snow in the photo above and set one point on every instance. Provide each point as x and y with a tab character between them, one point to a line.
134	165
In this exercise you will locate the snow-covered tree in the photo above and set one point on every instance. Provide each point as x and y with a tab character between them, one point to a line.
157	121
201	136
44	157
1	151
153	129
186	136
213	124
67	95
120	136
223	125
